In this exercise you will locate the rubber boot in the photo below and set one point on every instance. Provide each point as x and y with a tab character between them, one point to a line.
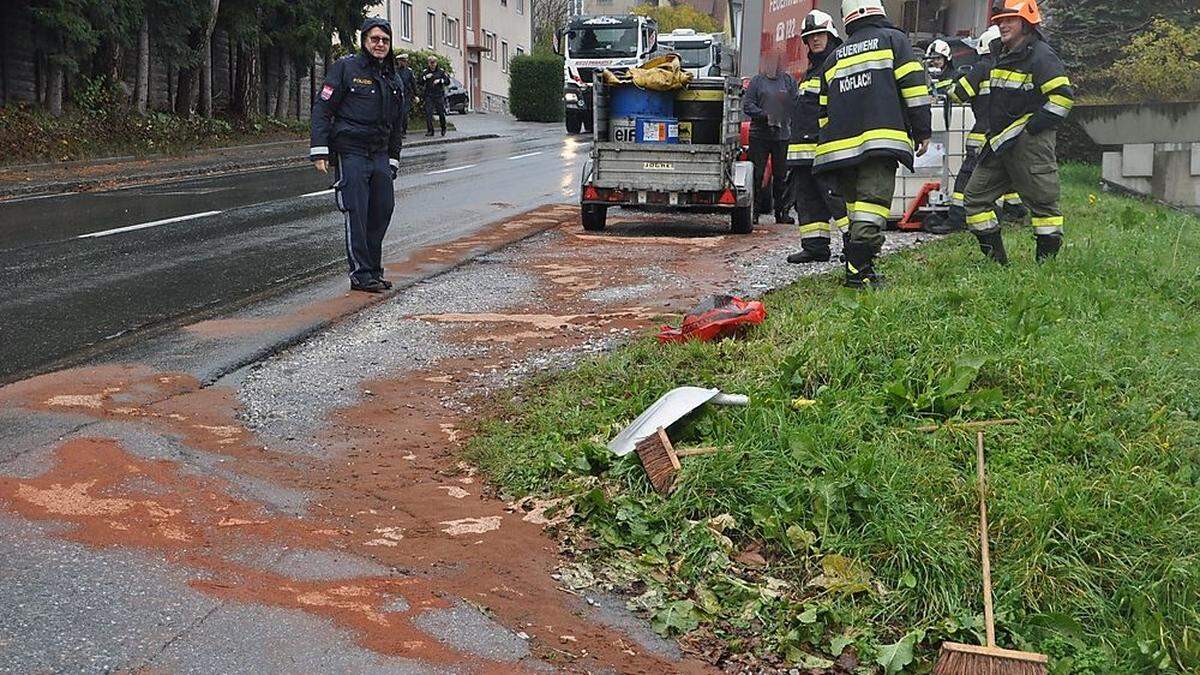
992	245
860	267
783	218
955	221
812	249
1047	246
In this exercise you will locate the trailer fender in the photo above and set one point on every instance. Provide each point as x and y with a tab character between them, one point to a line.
743	174
586	176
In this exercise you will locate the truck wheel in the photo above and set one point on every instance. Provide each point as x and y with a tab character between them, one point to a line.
574	122
593	217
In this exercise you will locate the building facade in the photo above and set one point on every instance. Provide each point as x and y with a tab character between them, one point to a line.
479	37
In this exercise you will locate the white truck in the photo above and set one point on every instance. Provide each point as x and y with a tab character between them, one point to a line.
589	44
703	54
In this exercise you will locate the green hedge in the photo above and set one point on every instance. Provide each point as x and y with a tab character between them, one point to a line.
536	88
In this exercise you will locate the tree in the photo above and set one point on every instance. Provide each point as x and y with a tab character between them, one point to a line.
1162	63
679	16
548	17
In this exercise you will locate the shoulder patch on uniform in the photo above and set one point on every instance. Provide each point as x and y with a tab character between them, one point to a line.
327	92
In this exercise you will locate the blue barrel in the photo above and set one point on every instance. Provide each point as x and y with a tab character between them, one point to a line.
629	101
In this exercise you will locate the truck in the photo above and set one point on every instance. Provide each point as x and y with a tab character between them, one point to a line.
703	54
590	44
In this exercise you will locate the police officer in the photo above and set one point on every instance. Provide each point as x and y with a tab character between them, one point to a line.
875	112
814	194
434	81
357	123
409	80
768	102
939	65
1030	95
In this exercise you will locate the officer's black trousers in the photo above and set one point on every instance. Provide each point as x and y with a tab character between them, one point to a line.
433	105
761	150
364	194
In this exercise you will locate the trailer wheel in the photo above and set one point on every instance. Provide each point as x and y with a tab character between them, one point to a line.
742	217
593	217
574	123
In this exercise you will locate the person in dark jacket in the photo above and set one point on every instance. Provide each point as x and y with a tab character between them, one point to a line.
815	196
357	122
1030	95
875	111
434	81
409	80
768	102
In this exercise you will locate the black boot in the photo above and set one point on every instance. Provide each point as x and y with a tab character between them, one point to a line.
1047	246
992	245
955	221
1013	213
812	249
783	218
860	267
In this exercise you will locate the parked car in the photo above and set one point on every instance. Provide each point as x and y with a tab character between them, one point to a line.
458	99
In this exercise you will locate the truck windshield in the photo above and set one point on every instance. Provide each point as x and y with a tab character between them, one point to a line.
609	42
694	54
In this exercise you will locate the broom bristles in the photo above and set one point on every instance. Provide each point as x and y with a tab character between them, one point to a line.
658	460
960	659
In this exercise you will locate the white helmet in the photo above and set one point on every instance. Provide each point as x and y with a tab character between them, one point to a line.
853	10
938	47
985	40
818	22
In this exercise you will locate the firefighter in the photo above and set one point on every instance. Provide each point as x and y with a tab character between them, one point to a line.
434	81
357	121
940	66
1030	95
768	102
814	195
875	113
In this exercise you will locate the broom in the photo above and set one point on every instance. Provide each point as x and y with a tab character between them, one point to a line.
660	459
960	659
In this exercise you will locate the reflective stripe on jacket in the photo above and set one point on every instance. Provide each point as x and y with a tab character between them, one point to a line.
874	98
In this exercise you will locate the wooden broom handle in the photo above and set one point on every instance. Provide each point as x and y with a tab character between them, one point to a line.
988	618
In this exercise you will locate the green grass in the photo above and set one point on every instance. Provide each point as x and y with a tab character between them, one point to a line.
869	528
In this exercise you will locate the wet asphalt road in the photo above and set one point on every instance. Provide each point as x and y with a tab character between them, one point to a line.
86	271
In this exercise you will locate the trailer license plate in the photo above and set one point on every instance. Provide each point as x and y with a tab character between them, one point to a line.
658	166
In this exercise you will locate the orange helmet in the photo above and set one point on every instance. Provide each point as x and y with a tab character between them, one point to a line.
1021	9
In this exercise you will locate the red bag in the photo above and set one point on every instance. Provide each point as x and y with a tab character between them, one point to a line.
719	316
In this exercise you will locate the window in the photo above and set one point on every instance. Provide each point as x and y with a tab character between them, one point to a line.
520	51
467	14
430	27
489	43
406	20
504	3
520	6
449	30
504	55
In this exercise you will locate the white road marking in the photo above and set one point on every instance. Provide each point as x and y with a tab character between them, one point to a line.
319	193
457	168
528	154
142	226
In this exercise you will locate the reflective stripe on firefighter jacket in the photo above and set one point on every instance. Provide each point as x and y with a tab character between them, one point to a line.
805	114
1029	89
874	98
974	88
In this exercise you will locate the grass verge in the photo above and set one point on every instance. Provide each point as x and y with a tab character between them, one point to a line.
827	525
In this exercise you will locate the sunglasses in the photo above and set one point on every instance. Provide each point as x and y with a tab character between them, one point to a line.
380	40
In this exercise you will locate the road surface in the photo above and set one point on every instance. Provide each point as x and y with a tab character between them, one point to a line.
83	272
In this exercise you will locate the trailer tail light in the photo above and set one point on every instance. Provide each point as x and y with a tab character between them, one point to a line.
590	193
727	198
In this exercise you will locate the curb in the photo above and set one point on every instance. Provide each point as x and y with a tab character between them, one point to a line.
153	177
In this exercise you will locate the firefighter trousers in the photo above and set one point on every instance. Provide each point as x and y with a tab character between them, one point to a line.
366	198
868	188
1030	168
957	216
817	202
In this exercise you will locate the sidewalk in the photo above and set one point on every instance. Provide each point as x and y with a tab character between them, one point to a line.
106	173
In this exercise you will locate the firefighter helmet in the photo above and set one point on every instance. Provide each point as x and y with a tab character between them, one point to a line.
818	22
1021	9
985	40
938	47
853	10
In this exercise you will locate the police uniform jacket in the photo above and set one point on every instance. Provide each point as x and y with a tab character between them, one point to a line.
1029	91
434	83
974	88
807	111
874	98
358	110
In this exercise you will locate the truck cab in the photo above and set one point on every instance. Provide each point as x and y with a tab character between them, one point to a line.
589	44
702	53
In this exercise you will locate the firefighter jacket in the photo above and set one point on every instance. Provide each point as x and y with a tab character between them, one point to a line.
974	88
807	111
359	110
874	98
1029	92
